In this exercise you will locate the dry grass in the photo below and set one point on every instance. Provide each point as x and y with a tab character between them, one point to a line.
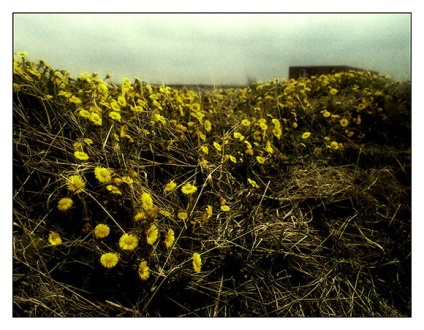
325	236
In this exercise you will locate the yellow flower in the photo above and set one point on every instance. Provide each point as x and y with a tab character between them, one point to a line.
208	213
152	234
101	230
54	238
204	149
253	183
334	145
306	135
263	126
84	114
344	122
22	54
146	201
260	159
268	148
122	101
294	125
333	91
74	99
128	242
238	136
115	106
182	215
102	88
195	107
65	204
245	122
127	179
188	189
76	184
197	262
170	238
326	113
276	122
159	118
207	125
225	208
102	174
81	155
96	119
115	115
109	260
217	146
233	159
139	216
88	141
170	186
277	132
203	162
113	189
143	270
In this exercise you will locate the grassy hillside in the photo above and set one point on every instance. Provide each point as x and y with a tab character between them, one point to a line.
284	198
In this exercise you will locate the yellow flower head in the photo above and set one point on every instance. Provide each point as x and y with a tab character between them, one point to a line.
146	201
76	184
205	149
170	186
208	213
253	183
115	106
102	174
217	146
152	234
96	119
160	119
84	114
195	107
326	113
344	122
182	215
268	148
225	208
170	238
239	136
207	125
115	115
260	159
188	189
54	238
306	135
109	260
127	179
333	91
128	242
140	216
65	204
113	189
81	155
143	270
101	230
245	122
197	262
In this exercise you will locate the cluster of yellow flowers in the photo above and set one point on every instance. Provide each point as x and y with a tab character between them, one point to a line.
233	127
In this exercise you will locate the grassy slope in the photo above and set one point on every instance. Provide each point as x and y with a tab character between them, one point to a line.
327	232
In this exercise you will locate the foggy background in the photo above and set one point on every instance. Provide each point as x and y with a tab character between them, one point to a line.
214	48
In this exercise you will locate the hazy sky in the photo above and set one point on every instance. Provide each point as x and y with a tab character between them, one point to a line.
214	48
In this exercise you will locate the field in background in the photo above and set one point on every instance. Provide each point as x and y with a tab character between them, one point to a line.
284	198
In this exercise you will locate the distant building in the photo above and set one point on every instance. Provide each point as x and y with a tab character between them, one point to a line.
297	72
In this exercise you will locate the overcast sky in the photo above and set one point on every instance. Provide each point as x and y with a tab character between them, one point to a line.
214	48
